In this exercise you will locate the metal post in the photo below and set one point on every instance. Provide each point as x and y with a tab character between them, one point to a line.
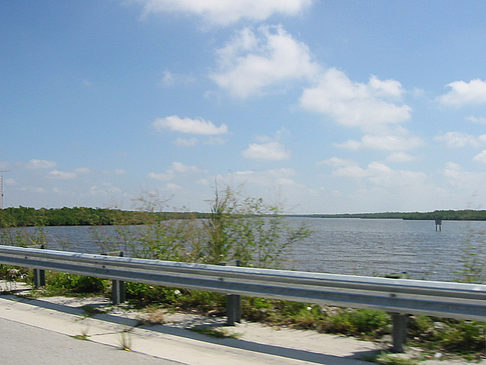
399	331
118	289
233	307
39	276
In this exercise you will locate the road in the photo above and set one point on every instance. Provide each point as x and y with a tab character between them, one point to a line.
24	344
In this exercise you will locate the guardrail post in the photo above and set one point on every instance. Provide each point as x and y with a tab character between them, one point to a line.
233	307
118	289
399	331
39	276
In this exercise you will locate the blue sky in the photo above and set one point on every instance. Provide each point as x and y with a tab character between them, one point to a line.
323	106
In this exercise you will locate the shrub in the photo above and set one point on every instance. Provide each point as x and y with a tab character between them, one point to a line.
357	322
59	281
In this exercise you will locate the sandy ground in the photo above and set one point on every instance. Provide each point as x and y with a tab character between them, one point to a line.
171	339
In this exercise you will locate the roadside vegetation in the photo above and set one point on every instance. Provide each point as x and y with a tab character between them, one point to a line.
252	233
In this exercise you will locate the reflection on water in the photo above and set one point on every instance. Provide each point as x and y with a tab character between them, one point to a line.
350	246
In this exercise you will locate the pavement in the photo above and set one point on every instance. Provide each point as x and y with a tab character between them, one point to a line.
57	330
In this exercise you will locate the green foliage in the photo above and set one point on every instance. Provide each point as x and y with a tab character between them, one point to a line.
58	282
248	230
361	322
451	335
458	215
393	359
79	216
472	258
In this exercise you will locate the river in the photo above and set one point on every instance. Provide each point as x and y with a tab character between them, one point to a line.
370	247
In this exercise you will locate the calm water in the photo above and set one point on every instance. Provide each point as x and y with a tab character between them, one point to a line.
353	246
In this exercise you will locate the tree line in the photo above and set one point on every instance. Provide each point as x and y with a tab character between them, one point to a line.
453	215
81	216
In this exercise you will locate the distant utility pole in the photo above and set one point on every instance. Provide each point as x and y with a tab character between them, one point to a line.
1	188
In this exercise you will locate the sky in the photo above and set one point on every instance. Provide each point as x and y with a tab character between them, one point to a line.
318	106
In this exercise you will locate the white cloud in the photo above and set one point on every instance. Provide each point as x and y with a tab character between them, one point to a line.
459	139
336	161
62	175
170	79
251	63
465	93
479	120
189	126
215	140
161	176
105	188
383	142
186	142
480	157
472	183
355	104
224	12
40	164
172	186
177	168
386	88
267	178
82	170
273	151
400	157
32	189
376	173
182	168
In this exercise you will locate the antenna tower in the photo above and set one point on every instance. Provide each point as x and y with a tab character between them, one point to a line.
1	188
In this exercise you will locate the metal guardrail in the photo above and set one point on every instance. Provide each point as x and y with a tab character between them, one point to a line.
397	296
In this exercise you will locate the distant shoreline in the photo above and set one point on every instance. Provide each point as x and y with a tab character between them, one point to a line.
451	215
79	216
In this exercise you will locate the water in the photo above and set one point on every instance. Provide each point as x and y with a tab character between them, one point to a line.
370	247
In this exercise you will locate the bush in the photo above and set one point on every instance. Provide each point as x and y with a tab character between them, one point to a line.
59	281
357	322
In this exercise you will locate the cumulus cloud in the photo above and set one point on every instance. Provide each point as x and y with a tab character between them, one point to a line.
40	164
471	182
480	157
273	151
265	178
356	104
459	139
479	120
189	126
104	188
62	175
186	142
254	61
375	173
223	12
383	142
171	78
400	157
465	93
177	168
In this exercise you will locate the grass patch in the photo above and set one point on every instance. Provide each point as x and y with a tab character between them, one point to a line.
81	337
394	359
213	332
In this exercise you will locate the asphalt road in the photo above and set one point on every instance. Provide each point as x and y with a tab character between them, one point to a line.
28	345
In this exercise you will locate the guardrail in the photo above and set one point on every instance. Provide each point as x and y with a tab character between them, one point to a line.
400	297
